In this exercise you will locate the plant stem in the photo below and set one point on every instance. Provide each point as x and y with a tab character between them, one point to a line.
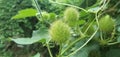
113	43
60	49
49	50
101	35
113	33
96	17
37	7
68	5
88	27
101	8
83	44
48	47
72	44
116	4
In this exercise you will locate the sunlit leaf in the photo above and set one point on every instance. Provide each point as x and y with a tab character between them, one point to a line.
29	12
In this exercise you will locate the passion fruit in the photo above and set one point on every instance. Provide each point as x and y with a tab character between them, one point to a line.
59	31
106	24
71	16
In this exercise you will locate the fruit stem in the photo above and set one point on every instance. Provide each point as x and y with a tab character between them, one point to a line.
88	27
83	44
113	34
60	49
48	47
72	44
113	43
96	17
101	35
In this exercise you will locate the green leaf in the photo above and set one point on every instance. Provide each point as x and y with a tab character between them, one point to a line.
118	20
37	55
83	14
118	39
118	29
41	33
29	12
38	36
84	52
25	41
113	53
2	45
80	22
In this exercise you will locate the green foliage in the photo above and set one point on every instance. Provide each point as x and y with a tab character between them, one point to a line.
118	39
8	27
93	31
37	36
11	28
25	13
86	50
113	53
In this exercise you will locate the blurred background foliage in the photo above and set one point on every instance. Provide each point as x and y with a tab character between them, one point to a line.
25	27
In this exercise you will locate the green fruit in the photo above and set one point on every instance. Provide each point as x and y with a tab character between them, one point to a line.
106	24
45	16
71	16
60	32
52	16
